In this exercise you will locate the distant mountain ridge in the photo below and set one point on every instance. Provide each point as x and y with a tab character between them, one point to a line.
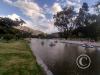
25	28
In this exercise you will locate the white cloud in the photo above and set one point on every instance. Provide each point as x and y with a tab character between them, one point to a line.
68	3
92	10
78	1
8	1
52	28
29	8
99	6
14	16
75	3
56	8
28	23
37	14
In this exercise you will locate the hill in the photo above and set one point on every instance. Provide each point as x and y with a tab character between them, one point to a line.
27	29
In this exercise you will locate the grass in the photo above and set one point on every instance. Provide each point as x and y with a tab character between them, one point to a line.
16	59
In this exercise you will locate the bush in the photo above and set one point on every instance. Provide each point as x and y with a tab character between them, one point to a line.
8	36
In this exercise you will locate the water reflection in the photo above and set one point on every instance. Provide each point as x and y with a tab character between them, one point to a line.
42	43
56	41
61	58
52	44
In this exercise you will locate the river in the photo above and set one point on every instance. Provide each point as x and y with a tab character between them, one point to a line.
59	58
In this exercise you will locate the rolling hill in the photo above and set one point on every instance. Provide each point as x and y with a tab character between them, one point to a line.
25	28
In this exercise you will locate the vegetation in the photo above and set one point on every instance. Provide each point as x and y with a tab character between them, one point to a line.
16	59
81	25
9	31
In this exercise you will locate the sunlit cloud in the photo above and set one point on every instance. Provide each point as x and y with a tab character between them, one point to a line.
38	16
56	8
14	16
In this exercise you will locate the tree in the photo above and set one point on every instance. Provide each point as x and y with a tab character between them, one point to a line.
64	21
83	16
86	23
8	30
83	24
97	7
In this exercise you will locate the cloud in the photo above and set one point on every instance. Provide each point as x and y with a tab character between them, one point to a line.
56	8
68	3
75	3
51	26
47	9
99	7
92	10
29	8
39	15
14	16
8	1
47	28
36	14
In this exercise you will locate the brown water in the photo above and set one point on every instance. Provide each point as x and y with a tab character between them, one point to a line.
60	58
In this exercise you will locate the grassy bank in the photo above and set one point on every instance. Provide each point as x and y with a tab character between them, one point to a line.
16	59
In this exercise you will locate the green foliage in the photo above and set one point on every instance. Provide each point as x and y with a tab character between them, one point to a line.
7	36
63	19
84	24
16	59
8	30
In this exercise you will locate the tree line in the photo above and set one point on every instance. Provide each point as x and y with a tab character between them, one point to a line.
79	25
9	31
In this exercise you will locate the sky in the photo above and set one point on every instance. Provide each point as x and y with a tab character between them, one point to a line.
38	14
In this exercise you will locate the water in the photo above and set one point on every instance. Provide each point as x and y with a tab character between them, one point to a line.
60	58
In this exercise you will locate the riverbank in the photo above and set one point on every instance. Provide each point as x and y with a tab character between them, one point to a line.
81	42
16	58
